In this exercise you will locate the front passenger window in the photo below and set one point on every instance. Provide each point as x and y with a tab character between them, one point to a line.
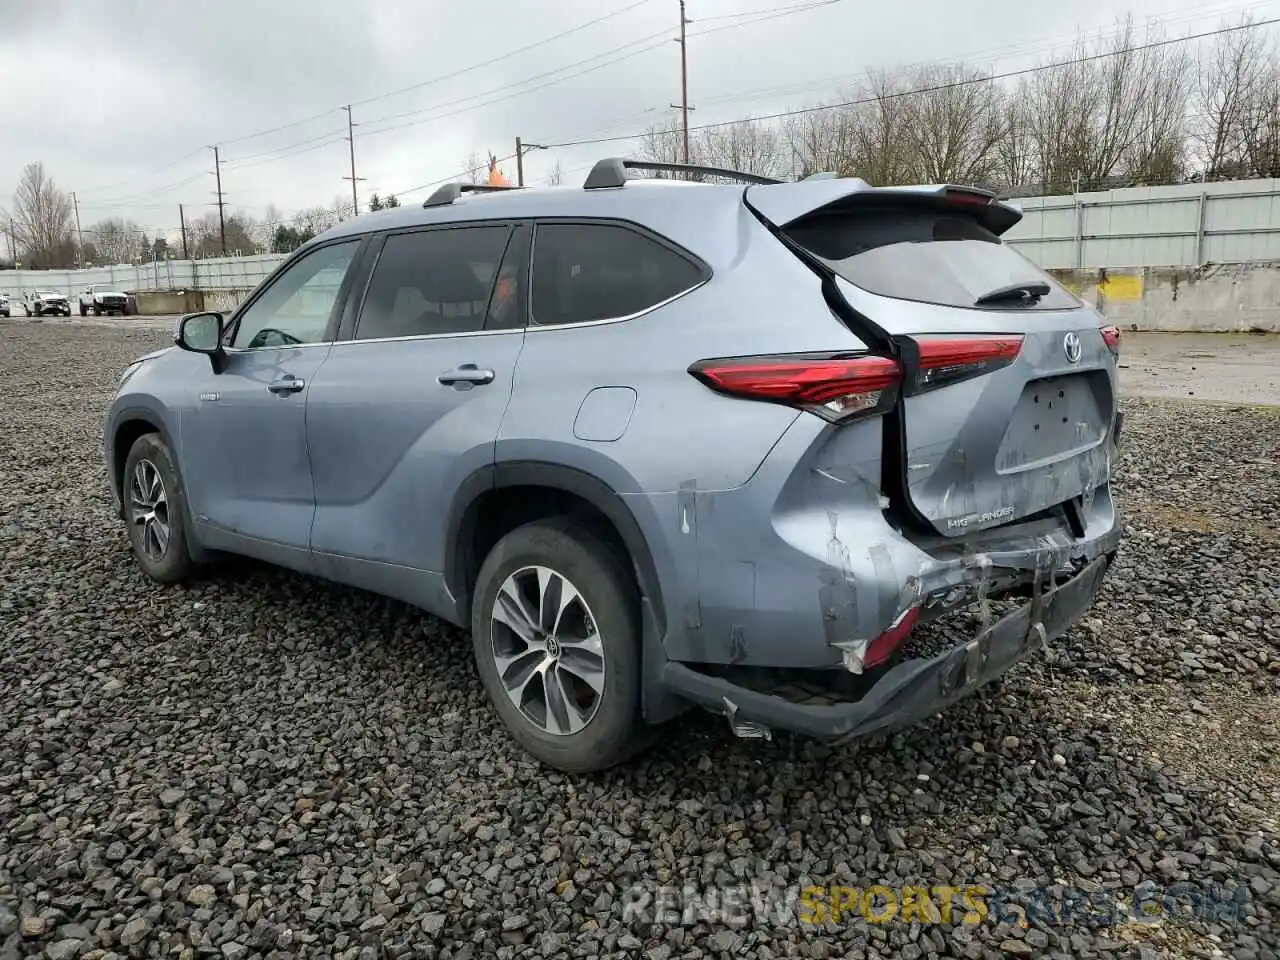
297	306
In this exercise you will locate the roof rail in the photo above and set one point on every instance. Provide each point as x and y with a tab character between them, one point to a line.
612	172
450	192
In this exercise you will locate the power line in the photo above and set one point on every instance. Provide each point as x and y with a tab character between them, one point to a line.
293	124
772	15
504	56
752	13
282	150
661	36
1018	49
653	41
950	85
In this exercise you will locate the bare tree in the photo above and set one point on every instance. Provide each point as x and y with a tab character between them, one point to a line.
314	220
42	219
474	168
204	236
1262	124
1015	161
1157	151
749	146
1113	119
556	176
114	240
952	126
1227	87
820	141
661	143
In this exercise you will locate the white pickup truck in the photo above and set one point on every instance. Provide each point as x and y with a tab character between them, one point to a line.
100	298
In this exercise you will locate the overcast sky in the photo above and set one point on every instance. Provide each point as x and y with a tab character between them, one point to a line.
121	98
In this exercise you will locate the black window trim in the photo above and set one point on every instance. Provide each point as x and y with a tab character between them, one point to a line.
704	270
350	327
339	304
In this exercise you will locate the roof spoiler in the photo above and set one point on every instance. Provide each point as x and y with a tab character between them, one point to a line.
612	172
450	192
786	203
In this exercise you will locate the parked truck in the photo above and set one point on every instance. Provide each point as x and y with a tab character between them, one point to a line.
101	298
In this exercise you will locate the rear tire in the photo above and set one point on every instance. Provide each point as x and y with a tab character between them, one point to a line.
577	678
155	510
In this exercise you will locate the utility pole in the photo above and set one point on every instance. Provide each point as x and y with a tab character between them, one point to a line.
222	220
182	225
684	82
13	248
521	149
79	234
351	140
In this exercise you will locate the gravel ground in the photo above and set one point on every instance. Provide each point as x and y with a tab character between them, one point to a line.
264	764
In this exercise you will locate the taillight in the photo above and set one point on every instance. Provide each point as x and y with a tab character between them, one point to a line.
947	360
834	386
882	647
1111	336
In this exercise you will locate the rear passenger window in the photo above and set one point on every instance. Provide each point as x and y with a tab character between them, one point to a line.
432	282
584	272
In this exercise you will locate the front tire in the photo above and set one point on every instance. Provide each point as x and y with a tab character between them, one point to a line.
555	627
155	510
83	311
96	311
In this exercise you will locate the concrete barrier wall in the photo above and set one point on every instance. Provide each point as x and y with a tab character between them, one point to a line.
1231	298
162	303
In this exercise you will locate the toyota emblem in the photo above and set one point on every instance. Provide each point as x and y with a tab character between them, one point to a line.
1071	347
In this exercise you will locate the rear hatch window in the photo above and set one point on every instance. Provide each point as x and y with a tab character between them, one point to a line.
929	256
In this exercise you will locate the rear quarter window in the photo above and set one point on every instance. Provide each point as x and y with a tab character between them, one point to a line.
928	256
600	271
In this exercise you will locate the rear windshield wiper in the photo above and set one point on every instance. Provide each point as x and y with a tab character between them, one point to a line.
1014	293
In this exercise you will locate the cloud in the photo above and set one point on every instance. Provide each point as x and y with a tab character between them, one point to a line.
120	98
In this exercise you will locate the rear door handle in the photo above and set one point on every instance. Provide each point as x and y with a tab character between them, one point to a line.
286	385
465	375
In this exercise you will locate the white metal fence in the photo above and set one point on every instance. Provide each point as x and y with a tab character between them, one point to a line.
1182	225
1185	225
221	274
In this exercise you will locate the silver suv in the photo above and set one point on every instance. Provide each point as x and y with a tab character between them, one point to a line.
655	443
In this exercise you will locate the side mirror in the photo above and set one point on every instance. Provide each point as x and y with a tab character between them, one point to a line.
202	333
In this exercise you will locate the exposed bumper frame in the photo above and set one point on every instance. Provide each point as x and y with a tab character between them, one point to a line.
912	690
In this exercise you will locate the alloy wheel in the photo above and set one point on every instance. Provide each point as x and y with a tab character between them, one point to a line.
149	508
547	650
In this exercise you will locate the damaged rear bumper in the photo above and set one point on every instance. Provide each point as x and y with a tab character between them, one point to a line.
910	691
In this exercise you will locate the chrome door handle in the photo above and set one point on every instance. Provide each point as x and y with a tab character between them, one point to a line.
286	385
466	374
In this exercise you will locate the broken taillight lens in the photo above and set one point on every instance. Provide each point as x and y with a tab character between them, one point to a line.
1111	336
947	360
834	386
883	646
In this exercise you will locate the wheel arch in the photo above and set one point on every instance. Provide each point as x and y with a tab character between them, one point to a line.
128	425
561	484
